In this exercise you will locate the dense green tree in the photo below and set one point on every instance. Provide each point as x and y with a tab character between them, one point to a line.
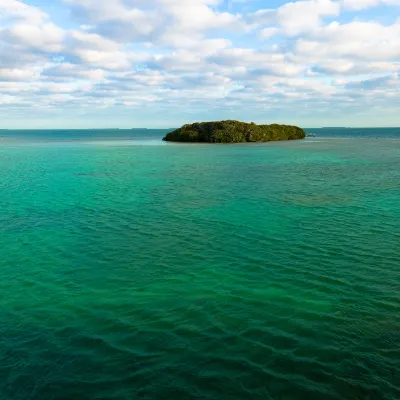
234	132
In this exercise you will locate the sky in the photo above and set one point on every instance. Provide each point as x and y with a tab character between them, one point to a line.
163	63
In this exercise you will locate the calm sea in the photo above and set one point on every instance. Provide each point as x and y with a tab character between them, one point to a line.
131	268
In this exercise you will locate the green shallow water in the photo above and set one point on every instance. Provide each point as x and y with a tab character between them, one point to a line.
265	271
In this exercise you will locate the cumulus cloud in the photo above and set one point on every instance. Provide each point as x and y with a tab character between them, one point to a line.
14	9
197	54
366	41
72	72
360	4
18	74
297	17
155	20
47	37
392	81
303	16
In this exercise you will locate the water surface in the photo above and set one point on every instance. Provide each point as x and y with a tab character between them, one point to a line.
132	268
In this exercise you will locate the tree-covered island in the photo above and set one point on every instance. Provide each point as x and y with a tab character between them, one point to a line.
233	132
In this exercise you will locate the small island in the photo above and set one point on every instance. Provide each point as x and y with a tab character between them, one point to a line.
233	132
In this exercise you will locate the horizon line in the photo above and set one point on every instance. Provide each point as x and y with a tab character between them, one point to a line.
147	128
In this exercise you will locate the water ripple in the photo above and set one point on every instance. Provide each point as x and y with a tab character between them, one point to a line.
210	272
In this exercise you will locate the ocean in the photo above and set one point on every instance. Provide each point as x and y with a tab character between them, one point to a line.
131	268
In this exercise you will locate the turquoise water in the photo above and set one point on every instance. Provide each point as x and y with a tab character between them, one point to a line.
136	269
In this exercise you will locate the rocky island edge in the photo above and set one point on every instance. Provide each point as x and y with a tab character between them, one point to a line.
233	132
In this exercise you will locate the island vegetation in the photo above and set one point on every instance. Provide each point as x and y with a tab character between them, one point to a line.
233	132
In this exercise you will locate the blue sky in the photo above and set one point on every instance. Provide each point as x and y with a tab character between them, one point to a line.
162	63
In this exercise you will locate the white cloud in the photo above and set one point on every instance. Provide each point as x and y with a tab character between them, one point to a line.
92	41
267	33
67	71
20	11
360	4
18	74
104	59
303	16
356	40
47	37
157	20
196	55
263	17
295	18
